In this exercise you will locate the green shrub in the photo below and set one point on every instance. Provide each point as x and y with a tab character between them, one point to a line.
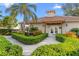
7	49
60	37
5	31
70	47
29	39
34	33
71	34
33	29
14	50
47	50
75	30
57	50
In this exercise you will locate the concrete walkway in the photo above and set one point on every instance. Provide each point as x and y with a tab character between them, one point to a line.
28	49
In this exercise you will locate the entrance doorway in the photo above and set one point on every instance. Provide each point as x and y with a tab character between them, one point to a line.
53	30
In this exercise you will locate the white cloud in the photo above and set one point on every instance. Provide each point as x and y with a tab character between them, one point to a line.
57	6
7	5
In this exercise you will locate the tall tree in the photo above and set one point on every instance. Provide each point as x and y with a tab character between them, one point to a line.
1	23
0	14
71	8
1	18
8	23
27	10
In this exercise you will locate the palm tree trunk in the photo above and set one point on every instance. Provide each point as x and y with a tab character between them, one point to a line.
24	23
23	27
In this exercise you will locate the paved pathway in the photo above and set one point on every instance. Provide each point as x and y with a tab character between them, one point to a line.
28	49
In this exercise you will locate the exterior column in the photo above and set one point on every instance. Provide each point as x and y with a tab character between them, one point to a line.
61	28
54	30
58	30
44	28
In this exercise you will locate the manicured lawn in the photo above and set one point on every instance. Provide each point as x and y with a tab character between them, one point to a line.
68	47
29	39
7	49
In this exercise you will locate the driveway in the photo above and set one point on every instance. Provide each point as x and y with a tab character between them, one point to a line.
28	49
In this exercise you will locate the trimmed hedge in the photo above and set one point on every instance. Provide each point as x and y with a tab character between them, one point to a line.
29	39
60	38
5	31
7	49
69	47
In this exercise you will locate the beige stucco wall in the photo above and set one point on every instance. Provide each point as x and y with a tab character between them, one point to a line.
40	27
65	28
48	27
69	26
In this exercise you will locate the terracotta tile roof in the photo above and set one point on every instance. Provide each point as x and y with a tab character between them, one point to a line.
60	18
52	19
71	18
56	19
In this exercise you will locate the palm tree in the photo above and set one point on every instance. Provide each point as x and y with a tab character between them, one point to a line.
27	10
0	14
1	19
13	12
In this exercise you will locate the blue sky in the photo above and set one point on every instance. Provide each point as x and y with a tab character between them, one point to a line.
41	9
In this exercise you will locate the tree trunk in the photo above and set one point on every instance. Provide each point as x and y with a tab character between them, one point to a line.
24	23
23	27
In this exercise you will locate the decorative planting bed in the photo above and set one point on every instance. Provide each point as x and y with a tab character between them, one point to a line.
29	39
68	47
7	49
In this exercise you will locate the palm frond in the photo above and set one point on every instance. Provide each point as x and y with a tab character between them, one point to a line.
32	6
32	15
